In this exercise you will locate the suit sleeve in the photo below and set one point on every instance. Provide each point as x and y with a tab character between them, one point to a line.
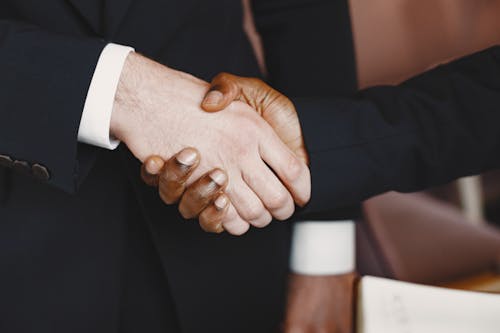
430	130
43	85
309	53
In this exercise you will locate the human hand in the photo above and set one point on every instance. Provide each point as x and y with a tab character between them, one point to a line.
204	199
272	106
157	112
319	304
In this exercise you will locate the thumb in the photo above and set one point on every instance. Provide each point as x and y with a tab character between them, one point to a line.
224	89
283	118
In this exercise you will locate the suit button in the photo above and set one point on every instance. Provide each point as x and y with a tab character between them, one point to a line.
40	172
5	161
21	167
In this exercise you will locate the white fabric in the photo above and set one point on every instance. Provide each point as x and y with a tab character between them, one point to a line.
323	247
96	116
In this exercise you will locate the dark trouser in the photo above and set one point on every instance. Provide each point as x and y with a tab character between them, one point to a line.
146	304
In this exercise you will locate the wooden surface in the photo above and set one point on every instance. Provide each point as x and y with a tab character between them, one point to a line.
486	282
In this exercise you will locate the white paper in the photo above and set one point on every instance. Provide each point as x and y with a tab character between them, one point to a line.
388	306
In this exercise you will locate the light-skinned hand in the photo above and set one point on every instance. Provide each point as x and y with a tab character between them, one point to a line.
157	113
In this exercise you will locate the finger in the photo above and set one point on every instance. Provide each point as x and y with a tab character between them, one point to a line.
223	90
233	223
248	205
270	190
202	193
211	218
292	171
175	173
150	170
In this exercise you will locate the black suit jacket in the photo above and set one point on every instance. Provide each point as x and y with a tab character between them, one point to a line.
64	241
427	131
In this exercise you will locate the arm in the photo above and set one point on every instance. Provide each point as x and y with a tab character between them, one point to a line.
45	80
43	87
431	129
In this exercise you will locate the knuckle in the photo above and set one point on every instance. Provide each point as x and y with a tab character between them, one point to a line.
186	210
231	215
185	213
168	178
208	226
223	76
256	82
201	194
253	212
281	199
227	80
263	221
285	213
294	168
239	232
166	197
237	228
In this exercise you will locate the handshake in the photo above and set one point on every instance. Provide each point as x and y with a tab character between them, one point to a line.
239	167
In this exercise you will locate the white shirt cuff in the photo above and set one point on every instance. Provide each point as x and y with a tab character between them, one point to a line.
323	248
96	116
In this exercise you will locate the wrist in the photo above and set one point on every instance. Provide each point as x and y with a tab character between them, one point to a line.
125	98
151	105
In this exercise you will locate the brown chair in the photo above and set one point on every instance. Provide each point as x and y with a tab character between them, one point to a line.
417	238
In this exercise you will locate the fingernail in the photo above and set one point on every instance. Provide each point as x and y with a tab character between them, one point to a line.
214	97
218	177
153	167
221	203
187	157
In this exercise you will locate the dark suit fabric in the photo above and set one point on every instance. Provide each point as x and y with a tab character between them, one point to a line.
93	249
307	59
429	130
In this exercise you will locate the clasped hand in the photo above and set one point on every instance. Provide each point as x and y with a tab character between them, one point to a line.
247	163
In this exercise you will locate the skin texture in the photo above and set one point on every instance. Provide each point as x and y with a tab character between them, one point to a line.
318	304
157	112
